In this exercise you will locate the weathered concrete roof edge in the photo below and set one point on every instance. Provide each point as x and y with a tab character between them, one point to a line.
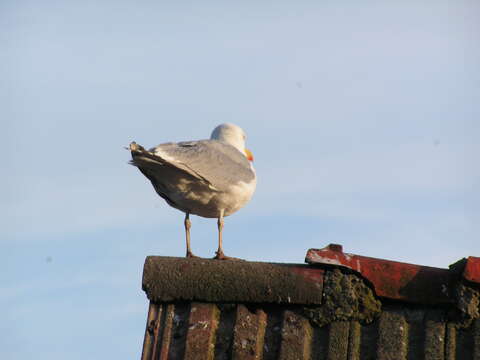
176	279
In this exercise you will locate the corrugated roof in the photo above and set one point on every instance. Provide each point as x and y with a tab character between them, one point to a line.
216	331
210	309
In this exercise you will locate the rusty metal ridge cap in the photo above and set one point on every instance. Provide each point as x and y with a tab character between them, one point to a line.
471	271
390	279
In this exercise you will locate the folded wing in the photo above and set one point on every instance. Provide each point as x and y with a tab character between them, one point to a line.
217	164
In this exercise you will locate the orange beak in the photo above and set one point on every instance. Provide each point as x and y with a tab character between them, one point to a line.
249	154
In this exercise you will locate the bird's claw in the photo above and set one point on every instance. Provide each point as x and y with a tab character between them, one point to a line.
221	256
190	255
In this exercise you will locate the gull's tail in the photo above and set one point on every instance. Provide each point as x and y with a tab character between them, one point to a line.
142	157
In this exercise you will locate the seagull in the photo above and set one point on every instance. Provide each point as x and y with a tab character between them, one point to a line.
210	178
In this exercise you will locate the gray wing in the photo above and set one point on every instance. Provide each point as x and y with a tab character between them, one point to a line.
213	161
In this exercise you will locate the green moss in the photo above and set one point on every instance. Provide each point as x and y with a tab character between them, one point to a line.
345	297
467	306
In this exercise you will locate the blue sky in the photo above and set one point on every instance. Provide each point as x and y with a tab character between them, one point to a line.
364	119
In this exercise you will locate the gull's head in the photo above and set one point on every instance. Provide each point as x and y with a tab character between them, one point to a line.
233	135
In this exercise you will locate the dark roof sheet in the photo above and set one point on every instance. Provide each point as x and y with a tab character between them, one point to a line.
351	308
241	331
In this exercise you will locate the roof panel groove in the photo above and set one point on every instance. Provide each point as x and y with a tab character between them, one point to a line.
319	347
416	334
369	340
273	333
179	331
224	336
464	343
476	339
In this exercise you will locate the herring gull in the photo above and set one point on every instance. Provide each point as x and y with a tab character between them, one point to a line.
209	178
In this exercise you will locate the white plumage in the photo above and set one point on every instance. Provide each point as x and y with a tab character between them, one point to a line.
210	178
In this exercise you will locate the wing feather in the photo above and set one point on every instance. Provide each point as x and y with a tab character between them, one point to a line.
213	161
